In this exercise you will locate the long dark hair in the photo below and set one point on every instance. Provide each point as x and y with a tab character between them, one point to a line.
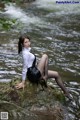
20	42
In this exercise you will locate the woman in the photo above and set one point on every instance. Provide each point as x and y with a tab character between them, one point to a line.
42	67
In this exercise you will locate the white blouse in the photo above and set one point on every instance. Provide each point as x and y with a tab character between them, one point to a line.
28	59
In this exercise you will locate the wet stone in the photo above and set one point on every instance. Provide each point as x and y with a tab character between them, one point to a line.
30	103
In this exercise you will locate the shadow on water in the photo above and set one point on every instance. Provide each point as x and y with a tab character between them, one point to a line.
55	30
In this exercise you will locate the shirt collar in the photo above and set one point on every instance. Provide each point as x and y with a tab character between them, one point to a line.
28	49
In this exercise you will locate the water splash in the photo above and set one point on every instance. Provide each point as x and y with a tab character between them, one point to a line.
59	8
17	13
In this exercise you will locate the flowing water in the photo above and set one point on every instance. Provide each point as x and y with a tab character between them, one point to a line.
54	29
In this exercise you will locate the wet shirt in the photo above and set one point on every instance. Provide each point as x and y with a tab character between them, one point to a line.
28	59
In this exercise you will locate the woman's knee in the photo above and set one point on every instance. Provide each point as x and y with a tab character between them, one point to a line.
45	56
57	76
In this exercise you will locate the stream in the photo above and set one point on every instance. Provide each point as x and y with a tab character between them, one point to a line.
54	29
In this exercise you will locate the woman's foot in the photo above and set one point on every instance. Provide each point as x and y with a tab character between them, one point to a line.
68	95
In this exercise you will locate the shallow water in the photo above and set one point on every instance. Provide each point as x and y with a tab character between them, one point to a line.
54	29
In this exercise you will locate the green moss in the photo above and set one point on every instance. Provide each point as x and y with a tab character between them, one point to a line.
7	23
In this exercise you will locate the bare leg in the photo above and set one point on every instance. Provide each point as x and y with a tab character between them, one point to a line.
43	66
54	74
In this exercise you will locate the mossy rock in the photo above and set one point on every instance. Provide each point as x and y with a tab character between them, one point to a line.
15	112
20	103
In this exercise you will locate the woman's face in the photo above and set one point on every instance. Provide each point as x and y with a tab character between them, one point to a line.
26	43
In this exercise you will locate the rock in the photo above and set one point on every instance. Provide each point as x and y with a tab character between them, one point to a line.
30	103
16	112
14	96
2	5
49	113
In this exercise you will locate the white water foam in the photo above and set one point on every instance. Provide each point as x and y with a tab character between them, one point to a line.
52	5
17	13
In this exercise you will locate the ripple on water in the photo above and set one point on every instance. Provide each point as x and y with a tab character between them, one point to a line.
5	80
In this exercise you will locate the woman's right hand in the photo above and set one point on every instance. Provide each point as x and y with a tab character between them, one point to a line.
20	85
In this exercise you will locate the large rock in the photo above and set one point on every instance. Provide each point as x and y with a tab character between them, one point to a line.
2	5
32	103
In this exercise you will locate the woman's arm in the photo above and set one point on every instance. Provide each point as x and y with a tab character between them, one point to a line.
25	66
24	71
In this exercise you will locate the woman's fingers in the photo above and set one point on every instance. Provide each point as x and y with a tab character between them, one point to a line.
20	85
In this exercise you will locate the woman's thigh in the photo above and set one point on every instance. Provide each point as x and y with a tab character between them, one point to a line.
41	64
52	74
